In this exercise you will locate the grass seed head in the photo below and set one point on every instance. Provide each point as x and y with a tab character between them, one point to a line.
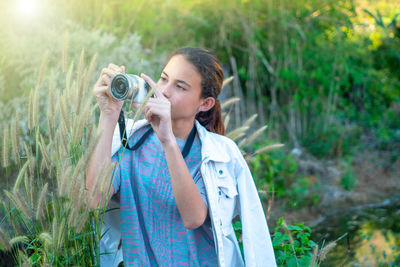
19	239
15	140
4	241
5	150
41	203
20	176
325	250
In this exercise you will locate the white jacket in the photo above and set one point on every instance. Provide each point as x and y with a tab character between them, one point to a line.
230	191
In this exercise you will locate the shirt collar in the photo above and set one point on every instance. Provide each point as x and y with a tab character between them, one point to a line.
211	147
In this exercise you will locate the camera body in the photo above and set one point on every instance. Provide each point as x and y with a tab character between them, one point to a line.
129	86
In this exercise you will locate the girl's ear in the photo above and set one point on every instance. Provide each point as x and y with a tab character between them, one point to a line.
207	104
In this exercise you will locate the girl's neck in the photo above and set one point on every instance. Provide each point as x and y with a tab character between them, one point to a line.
182	128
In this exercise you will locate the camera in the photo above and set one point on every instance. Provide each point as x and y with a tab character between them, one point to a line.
129	86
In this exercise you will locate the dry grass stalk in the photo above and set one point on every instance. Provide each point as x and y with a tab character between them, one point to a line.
290	239
31	187
89	73
226	121
26	183
61	233
23	259
268	148
250	120
255	135
65	121
79	75
80	123
41	203
226	81
237	133
229	102
20	176
141	107
51	106
242	142
19	239
89	136
4	242
30	110
15	140
270	203
18	203
82	222
45	238
314	258
23	205
64	179
35	107
54	227
61	146
43	165
68	81
43	66
79	169
325	250
77	201
5	152
106	179
45	153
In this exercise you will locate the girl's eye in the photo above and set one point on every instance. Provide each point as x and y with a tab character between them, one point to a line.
181	87
163	79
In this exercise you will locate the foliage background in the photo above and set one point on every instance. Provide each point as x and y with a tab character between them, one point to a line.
324	75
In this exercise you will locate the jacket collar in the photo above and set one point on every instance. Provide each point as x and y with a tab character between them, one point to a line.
211	147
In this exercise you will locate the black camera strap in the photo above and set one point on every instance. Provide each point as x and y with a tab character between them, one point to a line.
124	139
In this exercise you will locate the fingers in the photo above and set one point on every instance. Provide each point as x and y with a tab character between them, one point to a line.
135	105
155	107
148	80
105	80
119	69
101	90
110	72
158	94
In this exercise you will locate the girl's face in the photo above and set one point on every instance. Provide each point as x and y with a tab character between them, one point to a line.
181	85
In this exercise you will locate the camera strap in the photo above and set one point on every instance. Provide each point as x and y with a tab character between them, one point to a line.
124	139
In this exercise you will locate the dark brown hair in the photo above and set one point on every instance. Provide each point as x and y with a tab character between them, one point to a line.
212	77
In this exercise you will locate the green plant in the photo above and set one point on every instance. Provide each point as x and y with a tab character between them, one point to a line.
277	172
292	245
349	178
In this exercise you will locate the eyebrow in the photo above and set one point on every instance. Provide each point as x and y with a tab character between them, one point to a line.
179	81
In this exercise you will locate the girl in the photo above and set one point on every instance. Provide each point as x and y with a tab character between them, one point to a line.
181	187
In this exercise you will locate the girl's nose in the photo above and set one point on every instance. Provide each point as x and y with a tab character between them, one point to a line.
166	90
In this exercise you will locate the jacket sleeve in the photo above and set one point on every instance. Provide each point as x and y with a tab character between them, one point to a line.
257	245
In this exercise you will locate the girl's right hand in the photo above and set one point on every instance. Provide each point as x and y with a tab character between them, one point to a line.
109	107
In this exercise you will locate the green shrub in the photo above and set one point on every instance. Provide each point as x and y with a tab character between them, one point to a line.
277	172
292	245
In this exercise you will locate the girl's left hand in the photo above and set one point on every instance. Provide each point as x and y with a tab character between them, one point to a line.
158	113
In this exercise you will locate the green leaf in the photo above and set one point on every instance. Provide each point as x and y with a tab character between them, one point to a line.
35	258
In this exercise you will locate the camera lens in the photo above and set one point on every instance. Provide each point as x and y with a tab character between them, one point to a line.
127	86
120	87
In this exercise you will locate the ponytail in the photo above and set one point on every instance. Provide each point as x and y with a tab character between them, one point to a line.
212	119
212	77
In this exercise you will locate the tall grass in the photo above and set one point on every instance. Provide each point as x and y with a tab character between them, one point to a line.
46	212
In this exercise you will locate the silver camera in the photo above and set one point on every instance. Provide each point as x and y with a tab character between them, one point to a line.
129	86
